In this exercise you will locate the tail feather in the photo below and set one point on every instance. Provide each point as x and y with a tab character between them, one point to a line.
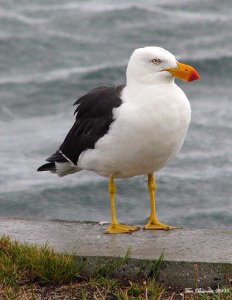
47	167
57	157
53	159
59	165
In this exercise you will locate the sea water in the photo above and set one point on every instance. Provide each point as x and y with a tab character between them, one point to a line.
52	52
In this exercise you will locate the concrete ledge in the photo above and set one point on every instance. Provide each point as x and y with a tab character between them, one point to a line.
192	257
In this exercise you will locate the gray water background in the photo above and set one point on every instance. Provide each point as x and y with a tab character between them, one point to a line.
52	52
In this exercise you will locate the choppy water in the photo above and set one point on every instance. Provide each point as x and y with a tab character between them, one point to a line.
54	51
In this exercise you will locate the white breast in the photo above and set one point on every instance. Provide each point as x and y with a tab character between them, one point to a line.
149	129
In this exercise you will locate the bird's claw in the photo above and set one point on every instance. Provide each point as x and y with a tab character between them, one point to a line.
121	228
156	225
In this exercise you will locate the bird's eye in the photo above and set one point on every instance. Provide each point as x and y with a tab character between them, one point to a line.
156	61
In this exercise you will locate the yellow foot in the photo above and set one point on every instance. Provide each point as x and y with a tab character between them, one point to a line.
156	225
121	228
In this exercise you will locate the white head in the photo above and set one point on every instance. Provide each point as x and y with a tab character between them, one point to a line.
155	65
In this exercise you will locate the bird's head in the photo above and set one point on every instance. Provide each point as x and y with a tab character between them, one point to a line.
152	65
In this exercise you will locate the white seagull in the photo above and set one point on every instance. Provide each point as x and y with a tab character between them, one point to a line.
129	130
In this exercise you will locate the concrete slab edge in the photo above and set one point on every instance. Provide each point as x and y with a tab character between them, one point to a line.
173	274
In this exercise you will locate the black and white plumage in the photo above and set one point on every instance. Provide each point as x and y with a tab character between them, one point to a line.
94	115
129	130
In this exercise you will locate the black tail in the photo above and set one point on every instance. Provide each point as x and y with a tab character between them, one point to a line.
47	167
56	157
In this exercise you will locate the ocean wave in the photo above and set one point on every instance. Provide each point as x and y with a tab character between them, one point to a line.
6	14
168	8
91	6
36	182
55	75
103	6
204	64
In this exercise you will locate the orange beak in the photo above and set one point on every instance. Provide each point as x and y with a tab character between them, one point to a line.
184	72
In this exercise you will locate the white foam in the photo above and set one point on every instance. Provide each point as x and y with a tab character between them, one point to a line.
25	144
22	18
57	74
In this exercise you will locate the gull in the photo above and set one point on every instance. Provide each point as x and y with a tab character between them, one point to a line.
129	130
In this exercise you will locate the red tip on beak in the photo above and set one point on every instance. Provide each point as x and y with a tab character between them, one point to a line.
193	76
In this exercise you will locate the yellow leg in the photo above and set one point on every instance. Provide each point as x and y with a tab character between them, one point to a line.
153	222
115	227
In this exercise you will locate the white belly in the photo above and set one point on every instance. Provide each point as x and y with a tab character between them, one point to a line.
143	138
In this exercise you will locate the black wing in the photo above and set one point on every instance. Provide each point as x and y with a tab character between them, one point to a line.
94	114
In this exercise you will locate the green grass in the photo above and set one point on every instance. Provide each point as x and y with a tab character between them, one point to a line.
20	263
26	269
30	272
109	267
